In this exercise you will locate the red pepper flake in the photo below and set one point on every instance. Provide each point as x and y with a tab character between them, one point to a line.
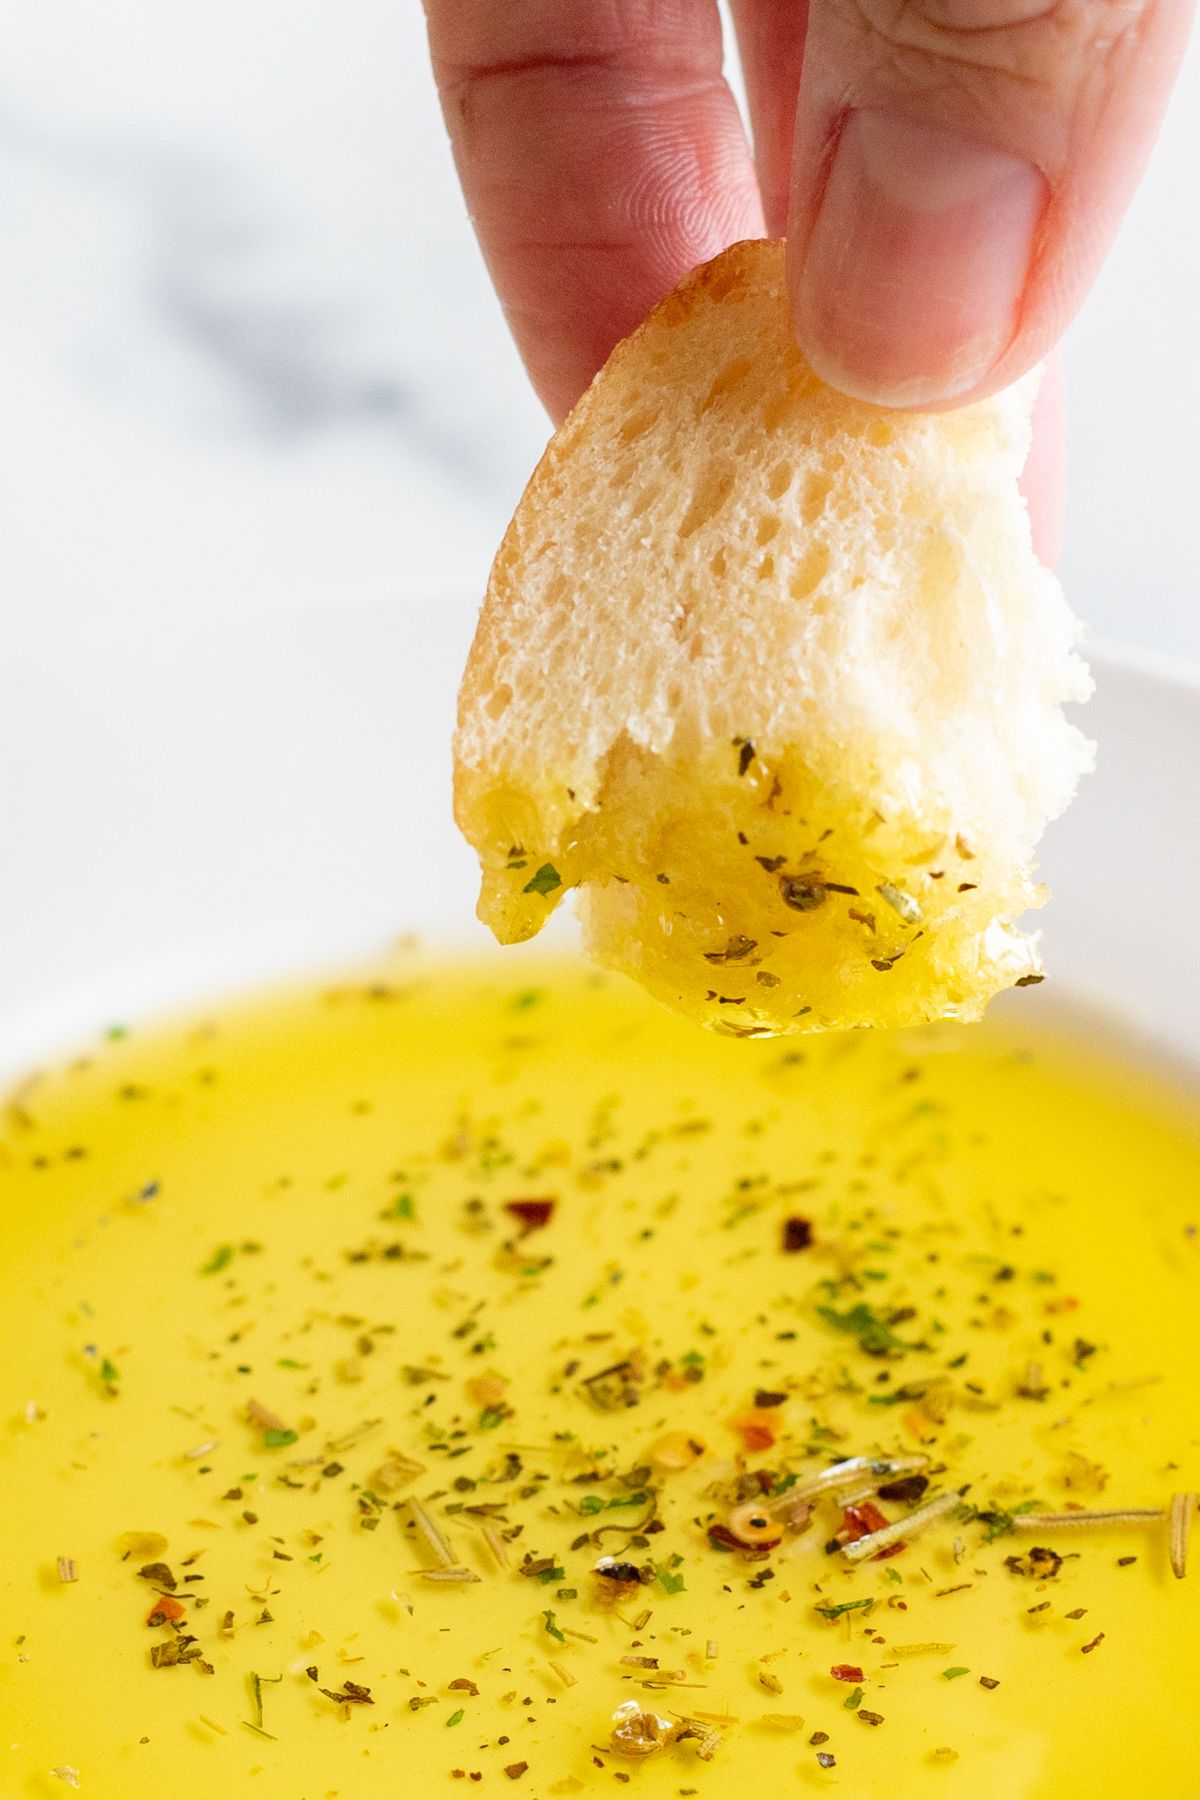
846	1672
797	1234
531	1214
757	1428
1098	1639
861	1520
166	1611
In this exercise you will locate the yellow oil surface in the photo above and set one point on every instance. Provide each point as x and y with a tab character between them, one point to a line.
263	1283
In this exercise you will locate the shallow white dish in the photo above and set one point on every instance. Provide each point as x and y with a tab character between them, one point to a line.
187	813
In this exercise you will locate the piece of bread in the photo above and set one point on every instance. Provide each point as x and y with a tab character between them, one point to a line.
775	678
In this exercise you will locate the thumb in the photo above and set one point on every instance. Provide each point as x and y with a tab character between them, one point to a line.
960	169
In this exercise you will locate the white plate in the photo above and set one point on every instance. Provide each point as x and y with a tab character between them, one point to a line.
187	813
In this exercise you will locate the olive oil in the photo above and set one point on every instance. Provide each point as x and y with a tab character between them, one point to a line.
454	1378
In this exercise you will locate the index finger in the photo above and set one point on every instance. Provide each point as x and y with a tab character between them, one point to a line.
602	157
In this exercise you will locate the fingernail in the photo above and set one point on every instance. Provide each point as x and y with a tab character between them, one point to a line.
911	285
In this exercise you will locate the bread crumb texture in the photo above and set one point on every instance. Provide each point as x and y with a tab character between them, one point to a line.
774	679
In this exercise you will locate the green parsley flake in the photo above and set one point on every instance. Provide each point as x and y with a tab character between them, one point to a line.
220	1259
874	1334
257	1684
1001	1520
843	1606
546	879
594	1503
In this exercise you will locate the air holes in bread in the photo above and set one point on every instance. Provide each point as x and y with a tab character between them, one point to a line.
708	497
814	566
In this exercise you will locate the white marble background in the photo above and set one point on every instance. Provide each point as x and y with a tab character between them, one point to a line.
249	359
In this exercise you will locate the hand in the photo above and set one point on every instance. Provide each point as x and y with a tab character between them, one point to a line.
950	174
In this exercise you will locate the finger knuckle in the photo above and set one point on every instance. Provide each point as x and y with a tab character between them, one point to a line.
1002	33
972	56
968	17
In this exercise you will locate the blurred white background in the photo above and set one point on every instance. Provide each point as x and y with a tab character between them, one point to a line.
250	360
